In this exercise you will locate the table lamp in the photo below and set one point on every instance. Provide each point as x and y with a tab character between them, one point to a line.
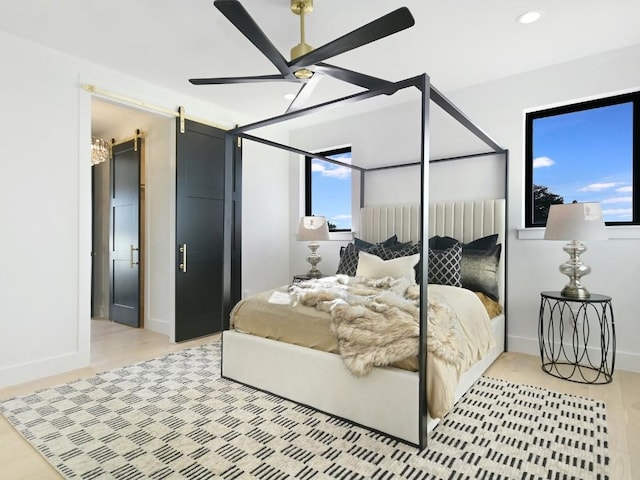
575	222
313	229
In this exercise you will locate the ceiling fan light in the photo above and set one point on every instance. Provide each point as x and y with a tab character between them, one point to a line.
289	96
303	73
529	17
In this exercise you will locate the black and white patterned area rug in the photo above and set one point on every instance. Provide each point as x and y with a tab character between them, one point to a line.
174	417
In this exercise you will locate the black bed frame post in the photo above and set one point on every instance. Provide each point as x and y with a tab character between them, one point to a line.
505	249
424	255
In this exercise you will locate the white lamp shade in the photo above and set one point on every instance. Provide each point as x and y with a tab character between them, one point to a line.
575	221
313	229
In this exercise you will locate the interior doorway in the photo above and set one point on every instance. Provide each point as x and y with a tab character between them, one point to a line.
133	131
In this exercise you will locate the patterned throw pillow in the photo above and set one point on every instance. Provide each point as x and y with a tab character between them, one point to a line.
349	260
445	266
391	253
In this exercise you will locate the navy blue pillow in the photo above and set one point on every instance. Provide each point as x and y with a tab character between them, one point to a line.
484	244
361	244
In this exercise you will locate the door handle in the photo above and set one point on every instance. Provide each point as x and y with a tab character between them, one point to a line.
131	250
183	251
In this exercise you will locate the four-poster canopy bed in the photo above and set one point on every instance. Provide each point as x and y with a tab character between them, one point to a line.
389	399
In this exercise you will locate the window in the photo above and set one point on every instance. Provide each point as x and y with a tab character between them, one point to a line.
588	152
328	189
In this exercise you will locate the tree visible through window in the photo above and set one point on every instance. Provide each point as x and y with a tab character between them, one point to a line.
584	152
328	188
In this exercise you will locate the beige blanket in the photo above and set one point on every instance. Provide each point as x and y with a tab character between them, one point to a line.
376	323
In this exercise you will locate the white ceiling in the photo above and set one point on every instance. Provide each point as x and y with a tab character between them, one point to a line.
458	43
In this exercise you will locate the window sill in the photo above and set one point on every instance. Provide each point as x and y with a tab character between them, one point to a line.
341	236
615	232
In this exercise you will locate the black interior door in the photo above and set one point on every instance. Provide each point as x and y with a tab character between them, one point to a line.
124	235
200	222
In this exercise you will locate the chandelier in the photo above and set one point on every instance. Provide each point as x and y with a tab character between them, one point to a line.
100	150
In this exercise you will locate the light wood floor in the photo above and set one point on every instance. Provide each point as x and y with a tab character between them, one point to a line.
115	345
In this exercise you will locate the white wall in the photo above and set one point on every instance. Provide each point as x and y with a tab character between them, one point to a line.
499	107
265	216
45	191
160	185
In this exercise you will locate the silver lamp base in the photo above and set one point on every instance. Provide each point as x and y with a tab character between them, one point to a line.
314	259
575	270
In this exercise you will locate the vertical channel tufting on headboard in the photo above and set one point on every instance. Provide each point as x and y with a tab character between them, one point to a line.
464	220
467	220
379	223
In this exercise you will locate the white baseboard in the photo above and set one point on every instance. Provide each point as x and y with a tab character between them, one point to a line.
158	326
624	360
526	345
26	372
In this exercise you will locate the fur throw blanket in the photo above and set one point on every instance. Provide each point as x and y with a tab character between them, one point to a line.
377	321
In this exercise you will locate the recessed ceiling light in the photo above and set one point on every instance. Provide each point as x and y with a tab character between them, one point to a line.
290	96
529	17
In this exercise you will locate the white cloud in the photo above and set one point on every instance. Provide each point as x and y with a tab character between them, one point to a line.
596	187
620	212
618	200
338	171
342	216
627	189
542	162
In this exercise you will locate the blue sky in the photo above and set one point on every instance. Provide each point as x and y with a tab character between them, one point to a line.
587	156
332	190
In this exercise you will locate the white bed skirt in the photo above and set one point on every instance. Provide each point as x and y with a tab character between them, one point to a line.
385	400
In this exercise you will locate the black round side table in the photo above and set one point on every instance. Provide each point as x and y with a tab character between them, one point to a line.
577	337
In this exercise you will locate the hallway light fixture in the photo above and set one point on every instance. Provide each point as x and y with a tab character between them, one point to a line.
100	150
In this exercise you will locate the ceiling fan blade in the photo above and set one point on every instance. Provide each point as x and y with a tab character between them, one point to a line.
388	24
236	14
303	95
356	78
255	79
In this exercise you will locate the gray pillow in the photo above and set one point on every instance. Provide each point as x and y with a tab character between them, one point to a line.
479	271
485	243
362	244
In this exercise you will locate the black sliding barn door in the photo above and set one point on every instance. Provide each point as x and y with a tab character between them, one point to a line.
204	177
124	234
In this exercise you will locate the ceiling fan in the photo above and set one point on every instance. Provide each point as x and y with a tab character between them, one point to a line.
307	64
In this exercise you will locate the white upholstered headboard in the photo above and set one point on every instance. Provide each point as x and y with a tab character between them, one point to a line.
464	220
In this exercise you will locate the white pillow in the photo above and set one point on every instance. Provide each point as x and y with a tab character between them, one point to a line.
372	266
